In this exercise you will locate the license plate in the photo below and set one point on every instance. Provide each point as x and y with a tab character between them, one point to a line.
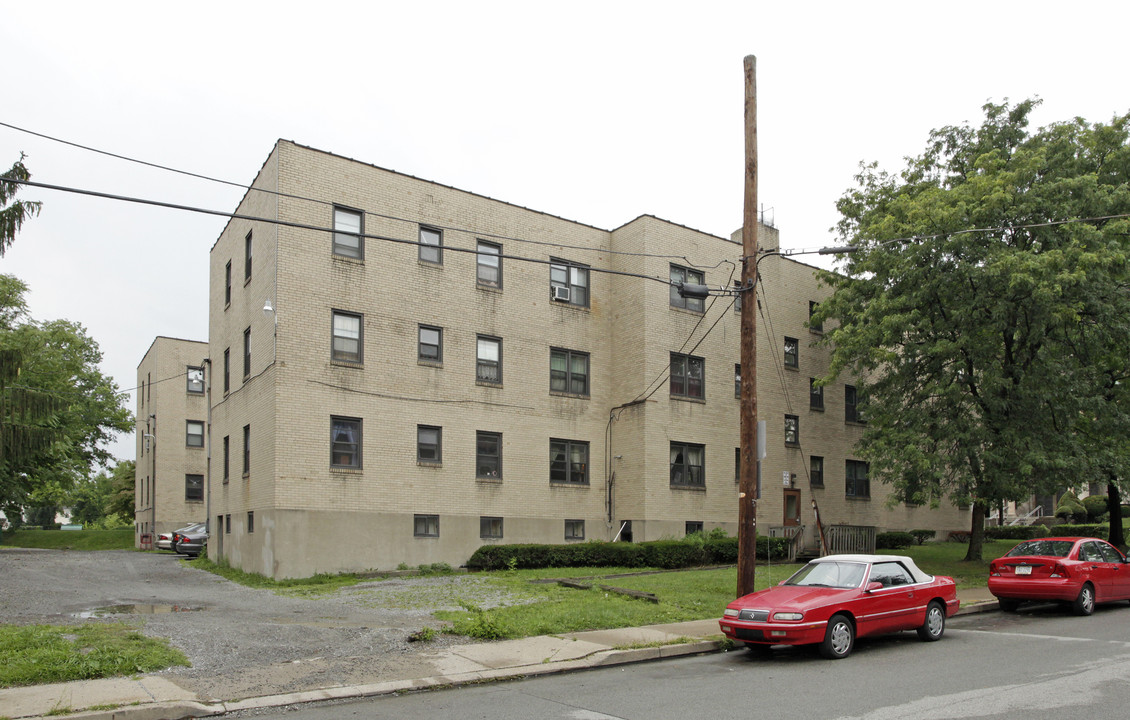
1023	569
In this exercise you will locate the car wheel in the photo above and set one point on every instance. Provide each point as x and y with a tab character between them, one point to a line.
839	638
1085	603
935	623
1008	606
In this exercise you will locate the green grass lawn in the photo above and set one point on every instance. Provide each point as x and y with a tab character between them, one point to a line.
947	558
683	595
116	539
34	654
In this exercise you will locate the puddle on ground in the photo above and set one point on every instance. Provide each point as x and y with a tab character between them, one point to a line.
135	609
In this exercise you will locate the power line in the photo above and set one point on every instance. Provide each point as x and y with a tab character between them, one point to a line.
315	228
935	236
327	203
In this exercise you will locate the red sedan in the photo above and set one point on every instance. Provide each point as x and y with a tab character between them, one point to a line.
1079	571
835	599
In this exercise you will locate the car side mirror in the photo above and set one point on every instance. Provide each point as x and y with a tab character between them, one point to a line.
873	586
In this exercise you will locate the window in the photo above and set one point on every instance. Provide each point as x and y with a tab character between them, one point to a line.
488	455
429	444
857	483
815	395
814	327
246	450
737	464
574	529
738	381
431	245
430	345
490	528
679	276
348	340
247	353
247	258
687	465
250	521
347	234
738	296
568	462
425	525
693	526
568	371
852	411
227	524
194	433
816	471
569	282
227	370
195	380
345	442
227	283
227	457
194	488
686	376
489	265
488	368
890	574
792	430
792	353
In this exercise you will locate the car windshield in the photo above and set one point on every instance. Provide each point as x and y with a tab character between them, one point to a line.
1048	548
829	574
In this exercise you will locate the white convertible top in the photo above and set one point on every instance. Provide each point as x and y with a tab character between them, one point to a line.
907	562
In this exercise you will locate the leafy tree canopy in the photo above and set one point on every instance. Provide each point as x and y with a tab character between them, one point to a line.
987	309
13	215
58	412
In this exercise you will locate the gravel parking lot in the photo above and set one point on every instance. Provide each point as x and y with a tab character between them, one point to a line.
241	641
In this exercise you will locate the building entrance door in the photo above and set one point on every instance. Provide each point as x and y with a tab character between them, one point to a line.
792	508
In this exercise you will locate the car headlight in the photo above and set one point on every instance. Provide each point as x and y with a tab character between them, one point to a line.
788	616
730	612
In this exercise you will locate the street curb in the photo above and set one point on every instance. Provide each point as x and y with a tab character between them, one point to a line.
182	710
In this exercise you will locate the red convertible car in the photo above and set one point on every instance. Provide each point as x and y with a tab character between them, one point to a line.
1075	570
835	599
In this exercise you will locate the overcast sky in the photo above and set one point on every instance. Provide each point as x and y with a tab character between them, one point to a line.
594	111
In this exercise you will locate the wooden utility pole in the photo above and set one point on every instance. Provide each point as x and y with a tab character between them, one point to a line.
747	485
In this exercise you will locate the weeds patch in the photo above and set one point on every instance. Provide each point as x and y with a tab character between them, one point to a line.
34	654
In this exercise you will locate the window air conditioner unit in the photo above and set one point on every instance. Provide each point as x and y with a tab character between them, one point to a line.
560	294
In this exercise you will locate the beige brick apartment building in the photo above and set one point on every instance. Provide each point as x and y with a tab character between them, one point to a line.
172	413
442	370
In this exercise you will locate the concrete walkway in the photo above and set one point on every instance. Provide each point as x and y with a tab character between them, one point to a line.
155	697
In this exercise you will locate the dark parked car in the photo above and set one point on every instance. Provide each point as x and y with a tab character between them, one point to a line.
191	544
1078	571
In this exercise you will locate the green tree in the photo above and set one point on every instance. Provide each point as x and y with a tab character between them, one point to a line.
987	271
12	216
122	482
58	411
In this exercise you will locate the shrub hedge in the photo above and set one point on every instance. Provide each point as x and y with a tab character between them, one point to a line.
1099	530
893	540
667	554
1015	532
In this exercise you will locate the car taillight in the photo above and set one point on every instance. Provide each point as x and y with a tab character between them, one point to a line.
994	570
1059	571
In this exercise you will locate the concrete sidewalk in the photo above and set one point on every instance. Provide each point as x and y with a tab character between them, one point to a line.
156	697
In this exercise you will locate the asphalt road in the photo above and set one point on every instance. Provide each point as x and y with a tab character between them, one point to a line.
1042	662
